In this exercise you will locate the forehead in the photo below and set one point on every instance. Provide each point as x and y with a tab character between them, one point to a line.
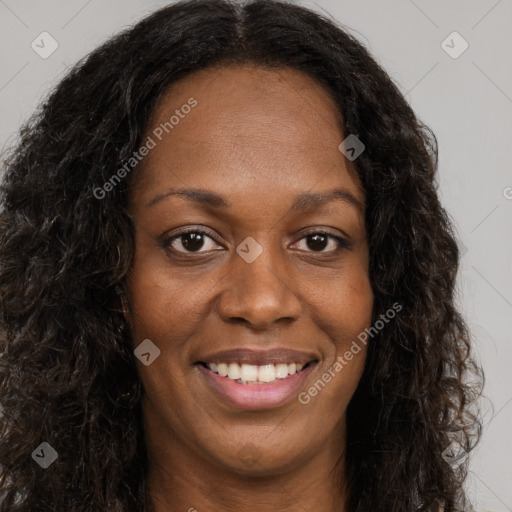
249	126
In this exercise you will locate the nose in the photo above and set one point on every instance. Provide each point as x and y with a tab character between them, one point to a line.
259	294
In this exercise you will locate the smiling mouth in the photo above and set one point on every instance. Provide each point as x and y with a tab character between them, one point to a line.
248	374
255	387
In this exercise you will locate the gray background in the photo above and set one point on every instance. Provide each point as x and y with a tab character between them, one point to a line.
467	101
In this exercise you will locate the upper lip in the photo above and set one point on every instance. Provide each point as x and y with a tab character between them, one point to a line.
259	357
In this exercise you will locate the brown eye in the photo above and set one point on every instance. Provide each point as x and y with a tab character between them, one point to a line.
319	241
190	241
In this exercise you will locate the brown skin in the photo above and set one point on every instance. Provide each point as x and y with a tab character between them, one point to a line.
258	138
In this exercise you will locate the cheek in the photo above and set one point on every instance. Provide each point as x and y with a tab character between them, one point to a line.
159	310
356	304
344	309
165	302
344	305
165	311
334	386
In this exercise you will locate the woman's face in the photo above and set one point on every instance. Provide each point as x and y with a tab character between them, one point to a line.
255	155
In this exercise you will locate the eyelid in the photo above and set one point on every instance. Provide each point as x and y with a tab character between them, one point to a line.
325	231
166	240
343	242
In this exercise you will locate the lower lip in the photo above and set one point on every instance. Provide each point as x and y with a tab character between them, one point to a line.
256	396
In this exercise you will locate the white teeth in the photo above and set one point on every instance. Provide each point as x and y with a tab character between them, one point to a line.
281	371
223	369
251	374
267	373
234	371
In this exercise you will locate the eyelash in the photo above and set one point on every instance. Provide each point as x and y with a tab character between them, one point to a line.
343	243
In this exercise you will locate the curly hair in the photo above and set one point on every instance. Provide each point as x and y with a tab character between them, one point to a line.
67	370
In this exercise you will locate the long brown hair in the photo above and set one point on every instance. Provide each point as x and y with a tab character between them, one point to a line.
67	371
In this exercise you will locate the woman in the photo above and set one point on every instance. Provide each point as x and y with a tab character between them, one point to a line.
226	280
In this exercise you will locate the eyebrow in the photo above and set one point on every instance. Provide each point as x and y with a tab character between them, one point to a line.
307	201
